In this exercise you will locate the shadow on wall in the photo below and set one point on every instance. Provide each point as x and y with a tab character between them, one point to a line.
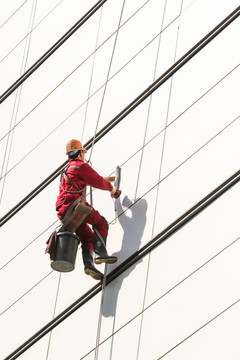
133	227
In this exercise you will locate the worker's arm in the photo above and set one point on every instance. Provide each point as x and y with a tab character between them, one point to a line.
91	177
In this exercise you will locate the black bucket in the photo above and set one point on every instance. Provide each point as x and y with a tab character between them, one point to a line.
67	245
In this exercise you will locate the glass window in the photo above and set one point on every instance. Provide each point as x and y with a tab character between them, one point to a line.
202	121
194	302
198	176
201	72
203	16
34	310
202	238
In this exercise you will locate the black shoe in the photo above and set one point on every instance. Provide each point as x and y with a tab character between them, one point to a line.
89	267
100	250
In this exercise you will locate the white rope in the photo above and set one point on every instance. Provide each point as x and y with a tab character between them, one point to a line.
93	142
17	101
100	313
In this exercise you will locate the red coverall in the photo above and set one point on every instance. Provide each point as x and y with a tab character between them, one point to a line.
85	175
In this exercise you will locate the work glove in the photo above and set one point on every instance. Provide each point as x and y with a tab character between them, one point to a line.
115	193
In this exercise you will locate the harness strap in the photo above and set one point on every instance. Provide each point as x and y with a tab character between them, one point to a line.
71	181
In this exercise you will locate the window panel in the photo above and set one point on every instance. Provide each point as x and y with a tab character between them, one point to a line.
201	72
11	69
6	113
9	37
47	92
26	270
74	284
202	121
203	16
38	351
76	336
130	80
172	11
218	340
198	176
193	303
150	164
199	240
44	34
37	218
7	11
158	111
126	289
52	112
135	34
33	310
110	16
101	65
126	138
131	7
167	42
123	344
92	110
3	161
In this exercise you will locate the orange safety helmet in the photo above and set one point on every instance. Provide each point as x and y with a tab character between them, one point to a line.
73	146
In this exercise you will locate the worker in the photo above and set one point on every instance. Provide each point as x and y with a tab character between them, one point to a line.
75	177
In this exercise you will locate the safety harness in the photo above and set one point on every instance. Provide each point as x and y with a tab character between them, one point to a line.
81	192
65	176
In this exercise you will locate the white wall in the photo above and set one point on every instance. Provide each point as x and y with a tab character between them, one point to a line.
181	301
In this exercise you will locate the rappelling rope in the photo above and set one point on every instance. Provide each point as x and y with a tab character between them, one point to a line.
103	290
93	142
100	312
9	143
117	185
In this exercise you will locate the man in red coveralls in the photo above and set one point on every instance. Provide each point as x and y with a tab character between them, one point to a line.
76	176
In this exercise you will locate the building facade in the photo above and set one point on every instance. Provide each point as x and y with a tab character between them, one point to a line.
153	87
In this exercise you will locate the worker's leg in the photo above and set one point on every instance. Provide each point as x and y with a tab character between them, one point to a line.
99	222
100	226
86	236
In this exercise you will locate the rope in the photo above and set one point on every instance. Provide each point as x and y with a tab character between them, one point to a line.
108	74
32	29
91	197
150	98
16	102
117	183
100	313
103	290
54	313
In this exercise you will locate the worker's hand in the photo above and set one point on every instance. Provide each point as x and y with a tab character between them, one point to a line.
110	178
115	193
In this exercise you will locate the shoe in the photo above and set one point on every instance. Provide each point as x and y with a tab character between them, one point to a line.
101	252
89	267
